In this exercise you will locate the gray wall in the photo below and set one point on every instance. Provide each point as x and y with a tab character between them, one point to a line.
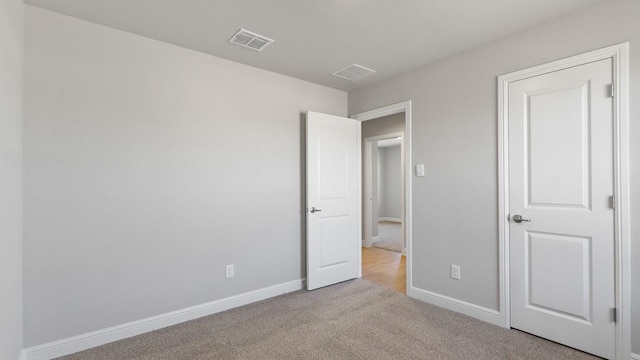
148	167
390	159
11	48
454	133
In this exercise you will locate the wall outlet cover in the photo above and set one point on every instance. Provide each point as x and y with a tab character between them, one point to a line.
455	272
229	271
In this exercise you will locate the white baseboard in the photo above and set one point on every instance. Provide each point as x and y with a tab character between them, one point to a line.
463	307
635	356
100	337
369	244
391	219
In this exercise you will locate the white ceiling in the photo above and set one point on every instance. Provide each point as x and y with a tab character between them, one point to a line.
314	38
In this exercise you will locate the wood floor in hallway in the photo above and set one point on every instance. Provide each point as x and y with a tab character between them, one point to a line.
386	268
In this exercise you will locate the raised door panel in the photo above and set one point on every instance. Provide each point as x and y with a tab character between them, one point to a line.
557	139
558	276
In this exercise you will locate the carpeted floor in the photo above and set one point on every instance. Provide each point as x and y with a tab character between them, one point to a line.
352	320
389	236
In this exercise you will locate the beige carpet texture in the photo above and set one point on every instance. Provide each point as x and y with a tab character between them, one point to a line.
389	236
352	320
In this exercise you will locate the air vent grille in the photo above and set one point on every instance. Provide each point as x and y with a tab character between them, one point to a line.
250	40
353	72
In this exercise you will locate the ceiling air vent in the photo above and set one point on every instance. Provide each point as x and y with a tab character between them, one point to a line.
353	72
250	40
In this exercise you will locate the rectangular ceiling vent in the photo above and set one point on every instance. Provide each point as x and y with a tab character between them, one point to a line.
353	72
250	40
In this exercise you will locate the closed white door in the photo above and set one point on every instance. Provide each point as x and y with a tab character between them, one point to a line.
561	226
333	170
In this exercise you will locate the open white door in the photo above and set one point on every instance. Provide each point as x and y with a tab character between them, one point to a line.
333	175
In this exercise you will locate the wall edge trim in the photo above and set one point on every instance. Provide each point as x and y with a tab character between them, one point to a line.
104	336
479	312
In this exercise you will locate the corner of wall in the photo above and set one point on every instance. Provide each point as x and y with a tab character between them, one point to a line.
481	313
11	119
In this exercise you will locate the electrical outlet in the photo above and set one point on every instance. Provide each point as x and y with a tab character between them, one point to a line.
229	271
455	272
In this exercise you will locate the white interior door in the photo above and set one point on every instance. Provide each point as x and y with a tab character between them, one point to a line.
333	175
561	184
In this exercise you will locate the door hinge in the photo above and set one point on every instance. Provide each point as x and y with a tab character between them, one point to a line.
614	315
613	90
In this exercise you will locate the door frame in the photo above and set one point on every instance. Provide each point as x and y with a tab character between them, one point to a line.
367	213
392	109
619	54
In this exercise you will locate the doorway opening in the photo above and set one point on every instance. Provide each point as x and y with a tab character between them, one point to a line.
385	250
383	188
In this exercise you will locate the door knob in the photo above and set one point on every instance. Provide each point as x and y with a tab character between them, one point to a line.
519	219
314	210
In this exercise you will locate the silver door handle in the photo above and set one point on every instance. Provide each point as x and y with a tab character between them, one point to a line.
314	210
519	219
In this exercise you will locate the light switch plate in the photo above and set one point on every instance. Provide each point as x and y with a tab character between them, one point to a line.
420	170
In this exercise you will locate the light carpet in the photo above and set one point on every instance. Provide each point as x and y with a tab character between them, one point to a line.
389	236
352	320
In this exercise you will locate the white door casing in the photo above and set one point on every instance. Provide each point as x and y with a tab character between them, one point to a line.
407	217
371	201
561	174
333	198
370	211
564	272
